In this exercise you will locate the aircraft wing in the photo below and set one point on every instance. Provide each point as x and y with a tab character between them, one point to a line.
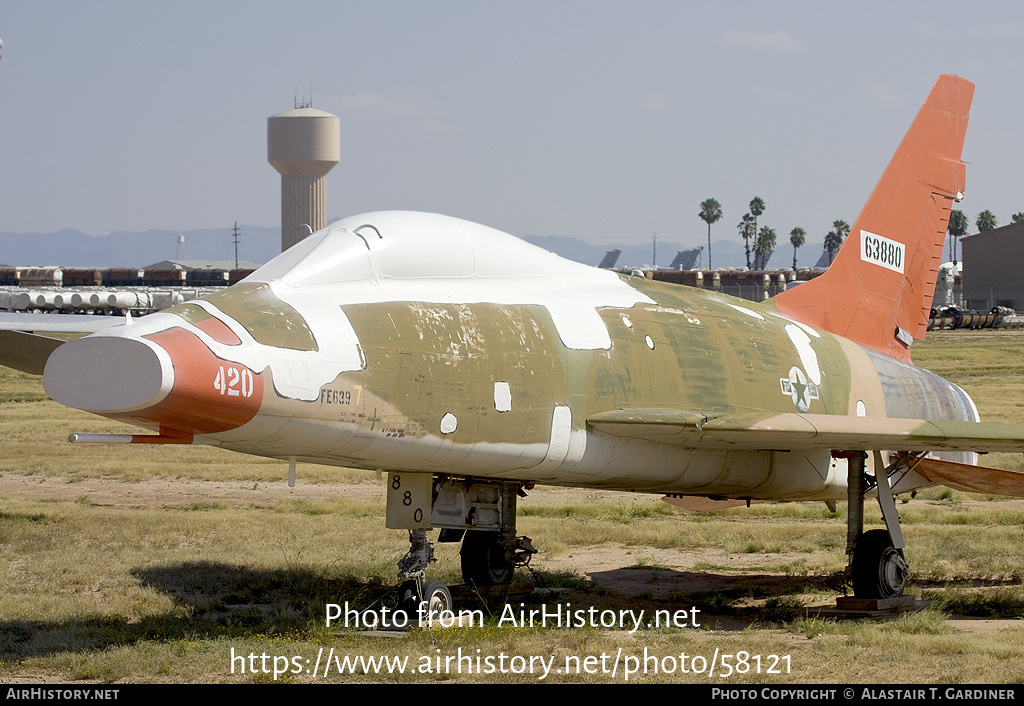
790	431
58	323
28	352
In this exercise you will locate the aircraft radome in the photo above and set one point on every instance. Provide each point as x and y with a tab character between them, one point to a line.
470	365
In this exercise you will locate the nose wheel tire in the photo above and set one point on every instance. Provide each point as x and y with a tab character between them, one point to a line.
437	599
879	570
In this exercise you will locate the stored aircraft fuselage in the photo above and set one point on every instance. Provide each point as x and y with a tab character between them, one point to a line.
416	342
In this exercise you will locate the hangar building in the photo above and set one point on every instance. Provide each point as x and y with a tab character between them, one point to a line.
993	273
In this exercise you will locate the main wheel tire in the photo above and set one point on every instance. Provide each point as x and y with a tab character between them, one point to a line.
484	562
879	570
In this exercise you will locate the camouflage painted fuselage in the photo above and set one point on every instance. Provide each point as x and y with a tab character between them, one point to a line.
412	342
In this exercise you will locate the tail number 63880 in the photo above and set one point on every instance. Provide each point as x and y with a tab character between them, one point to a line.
233	382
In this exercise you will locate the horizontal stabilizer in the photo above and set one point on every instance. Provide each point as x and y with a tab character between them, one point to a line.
972	479
788	431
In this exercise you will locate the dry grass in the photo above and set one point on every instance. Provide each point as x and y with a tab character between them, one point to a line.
107	594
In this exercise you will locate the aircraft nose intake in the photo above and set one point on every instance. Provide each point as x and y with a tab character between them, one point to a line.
169	379
108	374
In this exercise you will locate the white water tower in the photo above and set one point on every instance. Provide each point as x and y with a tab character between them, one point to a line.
303	144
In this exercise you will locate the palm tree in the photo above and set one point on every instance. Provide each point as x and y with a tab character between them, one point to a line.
748	230
710	212
763	247
797	237
986	221
1018	217
756	209
835	238
958	226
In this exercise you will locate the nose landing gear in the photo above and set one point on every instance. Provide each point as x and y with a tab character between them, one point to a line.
421	600
480	512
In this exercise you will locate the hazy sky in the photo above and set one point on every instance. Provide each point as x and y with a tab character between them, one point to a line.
606	121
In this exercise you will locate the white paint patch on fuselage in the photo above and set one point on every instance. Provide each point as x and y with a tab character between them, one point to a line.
685	313
748	312
502	397
558	447
449	423
808	357
806	329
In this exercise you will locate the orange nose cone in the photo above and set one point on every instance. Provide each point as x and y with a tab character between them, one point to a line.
168	380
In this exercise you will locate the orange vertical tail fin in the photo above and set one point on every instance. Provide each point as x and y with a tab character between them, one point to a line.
878	291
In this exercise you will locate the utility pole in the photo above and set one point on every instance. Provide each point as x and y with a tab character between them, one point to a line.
654	254
234	236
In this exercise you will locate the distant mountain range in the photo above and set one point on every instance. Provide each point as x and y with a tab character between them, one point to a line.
72	248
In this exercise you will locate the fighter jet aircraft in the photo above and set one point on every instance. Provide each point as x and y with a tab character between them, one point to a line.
470	366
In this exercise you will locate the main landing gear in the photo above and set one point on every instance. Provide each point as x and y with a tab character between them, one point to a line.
489	559
481	513
876	567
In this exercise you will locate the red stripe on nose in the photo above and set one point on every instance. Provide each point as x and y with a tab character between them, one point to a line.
218	331
210	394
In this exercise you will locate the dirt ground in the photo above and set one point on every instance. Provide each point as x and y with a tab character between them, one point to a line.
625	570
